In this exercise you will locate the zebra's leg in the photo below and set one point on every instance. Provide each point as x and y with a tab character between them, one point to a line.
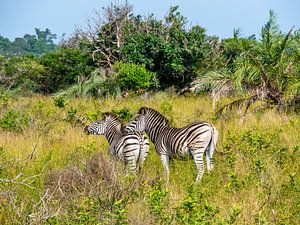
165	161
144	153
208	162
131	165
213	144
198	158
209	156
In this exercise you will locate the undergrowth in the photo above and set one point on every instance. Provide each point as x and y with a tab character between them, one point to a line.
52	173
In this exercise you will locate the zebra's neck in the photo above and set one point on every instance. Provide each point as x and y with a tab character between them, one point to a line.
113	131
155	127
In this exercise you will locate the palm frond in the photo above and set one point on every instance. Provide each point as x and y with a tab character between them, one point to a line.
293	89
269	31
283	46
243	104
86	86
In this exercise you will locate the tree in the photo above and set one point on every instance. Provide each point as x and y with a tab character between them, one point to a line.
268	73
166	47
43	43
5	45
63	68
20	72
105	35
37	44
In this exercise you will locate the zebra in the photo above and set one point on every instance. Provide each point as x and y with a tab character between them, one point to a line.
170	142
130	147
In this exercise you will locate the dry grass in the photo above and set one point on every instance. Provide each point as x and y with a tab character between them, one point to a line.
70	176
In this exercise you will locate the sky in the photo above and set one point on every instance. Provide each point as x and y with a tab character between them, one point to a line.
218	17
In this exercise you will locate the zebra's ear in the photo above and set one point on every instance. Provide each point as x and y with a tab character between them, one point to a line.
105	115
119	127
142	110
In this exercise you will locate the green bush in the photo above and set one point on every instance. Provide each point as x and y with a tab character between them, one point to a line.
195	210
71	116
159	201
123	114
63	68
168	48
94	85
130	76
14	120
59	101
21	72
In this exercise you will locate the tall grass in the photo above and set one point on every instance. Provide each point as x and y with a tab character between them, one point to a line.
51	172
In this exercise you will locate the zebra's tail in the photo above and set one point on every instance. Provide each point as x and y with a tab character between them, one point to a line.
211	147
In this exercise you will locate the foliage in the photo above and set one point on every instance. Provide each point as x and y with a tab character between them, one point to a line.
124	114
47	74
194	210
134	77
105	34
38	44
59	101
66	177
14	120
268	71
20	73
166	47
94	85
63	68
158	198
121	51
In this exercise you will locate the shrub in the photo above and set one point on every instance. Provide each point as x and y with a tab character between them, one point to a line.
59	101
21	72
159	201
71	115
167	110
63	68
14	120
134	77
195	210
94	85
123	114
96	194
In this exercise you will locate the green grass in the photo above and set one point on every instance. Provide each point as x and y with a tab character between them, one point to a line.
51	172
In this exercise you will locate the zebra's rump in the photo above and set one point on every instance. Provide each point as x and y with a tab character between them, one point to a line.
127	147
181	140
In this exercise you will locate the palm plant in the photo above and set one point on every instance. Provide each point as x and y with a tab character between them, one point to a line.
95	85
269	72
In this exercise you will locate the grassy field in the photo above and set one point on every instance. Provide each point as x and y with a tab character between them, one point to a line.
53	173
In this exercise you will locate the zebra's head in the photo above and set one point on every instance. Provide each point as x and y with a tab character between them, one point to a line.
138	124
99	127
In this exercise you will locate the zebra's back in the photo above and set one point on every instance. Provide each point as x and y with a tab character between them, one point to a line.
179	141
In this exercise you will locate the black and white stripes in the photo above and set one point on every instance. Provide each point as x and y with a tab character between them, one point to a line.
131	147
193	139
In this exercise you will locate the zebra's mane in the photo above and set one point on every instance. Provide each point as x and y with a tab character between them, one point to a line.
112	115
144	110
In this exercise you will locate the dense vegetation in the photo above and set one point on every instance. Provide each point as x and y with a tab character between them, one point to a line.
52	173
38	44
121	52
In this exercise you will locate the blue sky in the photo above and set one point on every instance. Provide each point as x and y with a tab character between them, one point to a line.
219	17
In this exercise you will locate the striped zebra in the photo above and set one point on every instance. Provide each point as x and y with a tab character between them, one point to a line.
171	142
130	147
